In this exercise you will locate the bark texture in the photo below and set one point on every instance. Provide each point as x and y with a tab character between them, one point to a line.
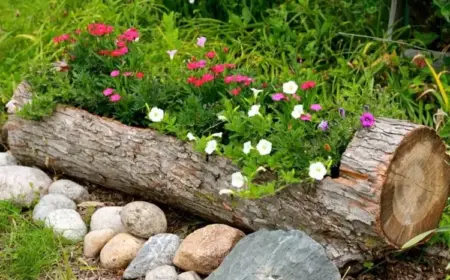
343	214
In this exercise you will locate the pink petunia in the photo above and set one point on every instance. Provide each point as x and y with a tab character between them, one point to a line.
367	119
121	44
61	38
129	35
236	91
207	77
119	52
115	97
139	75
99	29
201	42
115	73
308	85
108	91
196	65
277	96
211	54
305	117
316	107
127	74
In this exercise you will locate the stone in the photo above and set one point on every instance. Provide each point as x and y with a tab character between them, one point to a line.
22	185
108	217
204	250
120	251
287	255
159	250
6	159
143	219
189	275
95	240
49	203
67	223
69	189
165	272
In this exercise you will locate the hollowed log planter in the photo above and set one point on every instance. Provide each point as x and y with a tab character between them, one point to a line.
393	184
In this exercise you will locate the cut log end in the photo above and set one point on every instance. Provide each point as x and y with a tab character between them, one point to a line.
416	186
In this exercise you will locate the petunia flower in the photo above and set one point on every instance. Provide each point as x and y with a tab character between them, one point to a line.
217	69
254	111
211	54
211	146
99	29
139	75
171	54
316	107
247	147
297	112
156	114
238	180
290	87
323	125
305	117
201	41
277	96
108	92
317	171
256	91
367	119
218	134
264	147
308	85
61	38
115	97
115	73
190	136
130	35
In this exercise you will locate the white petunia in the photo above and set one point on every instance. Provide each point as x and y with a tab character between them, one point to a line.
218	134
254	110
192	1
264	147
172	53
226	191
190	136
261	169
297	112
317	170
256	92
222	118
211	146
290	87
156	114
238	180
247	147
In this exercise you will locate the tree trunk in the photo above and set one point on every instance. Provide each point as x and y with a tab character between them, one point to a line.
393	182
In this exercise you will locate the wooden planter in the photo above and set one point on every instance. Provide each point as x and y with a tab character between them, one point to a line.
394	178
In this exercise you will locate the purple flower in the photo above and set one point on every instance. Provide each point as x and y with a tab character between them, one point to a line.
277	96
323	125
367	119
201	42
316	107
342	112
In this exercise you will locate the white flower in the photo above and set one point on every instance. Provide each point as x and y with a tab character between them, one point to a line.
218	134
237	180
264	147
211	146
290	87
247	147
317	170
136	40
226	191
191	1
190	136
156	114
222	118
261	169
254	110
256	92
297	112
171	53
11	106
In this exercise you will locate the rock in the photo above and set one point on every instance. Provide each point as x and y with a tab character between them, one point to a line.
69	189
22	185
67	223
49	203
204	249
95	240
159	250
143	219
287	255
190	275
7	160
108	217
120	251
165	272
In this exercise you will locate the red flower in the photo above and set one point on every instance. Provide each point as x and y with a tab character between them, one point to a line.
225	50
119	52
121	44
130	35
217	69
139	75
236	91
198	82
191	80
61	38
196	65
211	54
308	85
208	77
99	29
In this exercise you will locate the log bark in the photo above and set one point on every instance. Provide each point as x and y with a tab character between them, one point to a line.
394	179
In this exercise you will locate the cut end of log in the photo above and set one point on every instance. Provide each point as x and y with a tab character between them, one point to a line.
416	187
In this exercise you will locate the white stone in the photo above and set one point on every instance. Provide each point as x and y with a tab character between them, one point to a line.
22	185
165	272
143	219
120	251
67	223
95	240
7	159
189	275
108	217
70	189
49	203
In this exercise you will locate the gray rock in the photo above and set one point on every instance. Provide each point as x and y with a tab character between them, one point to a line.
287	255
49	203
143	219
7	160
108	217
69	189
67	223
159	250
189	275
165	272
22	185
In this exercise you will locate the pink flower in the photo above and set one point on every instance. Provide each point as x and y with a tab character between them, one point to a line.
196	65
78	31
367	119
217	69
61	38
207	77
127	74
108	92
115	73
201	42
191	80
296	97
121	44
305	117
308	85
236	91
316	107
115	97
99	29
211	54
277	96
229	79
119	52
139	75
130	35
